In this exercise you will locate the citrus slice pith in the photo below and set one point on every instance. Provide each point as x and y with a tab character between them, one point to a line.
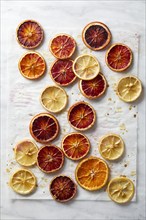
81	116
62	46
29	34
63	188
23	181
129	88
32	65
92	173
75	146
96	35
118	57
44	127
120	189
50	158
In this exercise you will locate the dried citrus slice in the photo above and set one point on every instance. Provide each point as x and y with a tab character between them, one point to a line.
54	99
30	34
62	46
81	116
119	57
121	189
32	65
44	127
92	173
50	158
96	35
62	73
26	153
63	188
93	88
75	146
86	67
23	181
129	88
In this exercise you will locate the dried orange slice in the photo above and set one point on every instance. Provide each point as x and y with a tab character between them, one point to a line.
30	34
93	88
120	189
63	188
81	116
50	158
62	46
75	146
44	127
32	65
92	173
26	153
118	57
129	88
86	67
23	182
96	35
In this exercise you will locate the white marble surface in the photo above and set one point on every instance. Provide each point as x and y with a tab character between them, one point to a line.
120	16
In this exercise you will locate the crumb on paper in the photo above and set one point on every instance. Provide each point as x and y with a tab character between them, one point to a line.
134	115
123	127
119	109
109	99
7	170
133	173
79	36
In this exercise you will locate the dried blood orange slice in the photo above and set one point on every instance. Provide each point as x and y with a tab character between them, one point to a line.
63	188
81	116
62	46
75	146
30	34
92	173
32	65
50	158
93	88
96	35
62	72
118	57
44	127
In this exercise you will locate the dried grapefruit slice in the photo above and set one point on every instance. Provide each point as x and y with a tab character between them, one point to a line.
92	173
121	189
118	57
50	158
62	46
86	67
44	127
75	146
96	35
30	34
63	188
81	116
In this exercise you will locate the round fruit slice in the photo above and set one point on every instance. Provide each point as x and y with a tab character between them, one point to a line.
92	173
50	158
26	153
32	65
75	146
121	189
93	88
81	116
86	67
23	181
129	88
111	146
96	35
62	46
54	99
62	73
63	188
44	127
118	57
30	34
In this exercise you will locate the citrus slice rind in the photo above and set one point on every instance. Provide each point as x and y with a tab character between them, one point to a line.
120	190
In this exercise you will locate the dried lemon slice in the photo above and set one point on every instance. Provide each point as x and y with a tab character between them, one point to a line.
86	67
111	146
120	189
